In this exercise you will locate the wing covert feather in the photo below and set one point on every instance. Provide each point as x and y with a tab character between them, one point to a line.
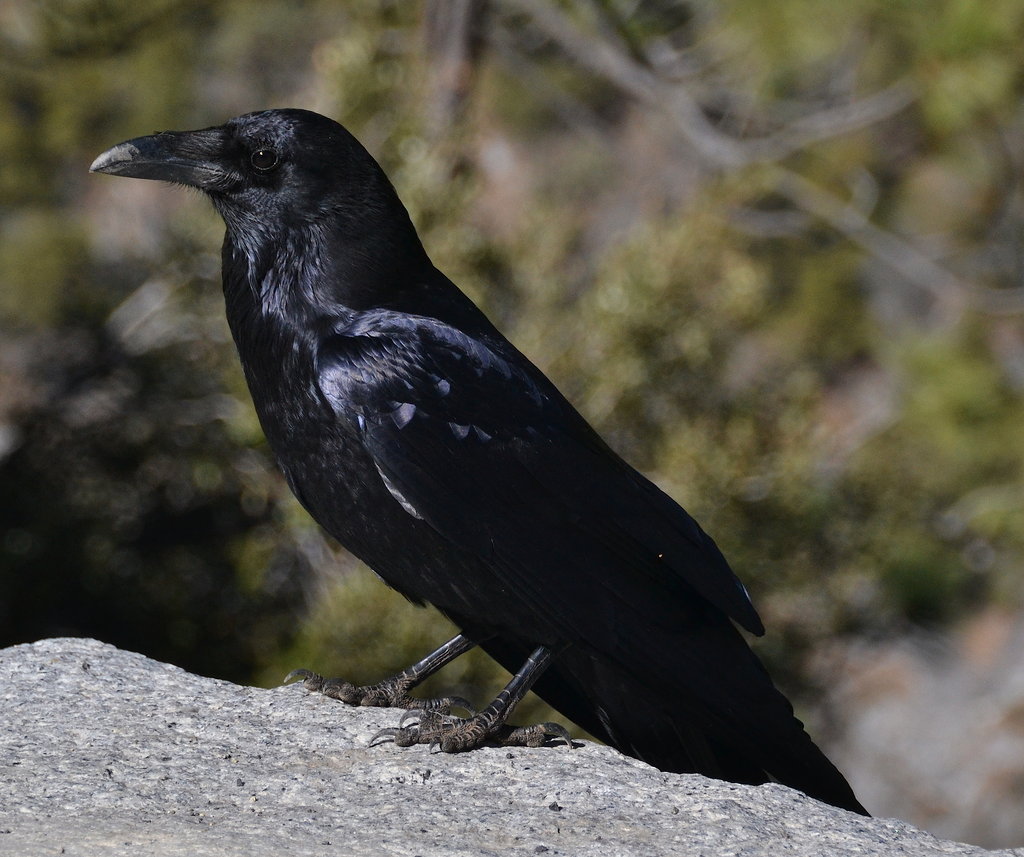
493	457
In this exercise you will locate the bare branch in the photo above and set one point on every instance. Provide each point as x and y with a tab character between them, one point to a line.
718	149
832	122
722	151
619	68
949	291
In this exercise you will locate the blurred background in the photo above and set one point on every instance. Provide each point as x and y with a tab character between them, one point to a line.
772	251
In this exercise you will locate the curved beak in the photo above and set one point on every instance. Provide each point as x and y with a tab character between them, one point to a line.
193	158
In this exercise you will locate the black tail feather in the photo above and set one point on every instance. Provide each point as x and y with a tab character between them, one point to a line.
750	744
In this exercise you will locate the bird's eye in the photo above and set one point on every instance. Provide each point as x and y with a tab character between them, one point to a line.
264	159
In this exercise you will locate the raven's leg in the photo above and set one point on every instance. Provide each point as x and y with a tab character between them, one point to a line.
453	734
393	692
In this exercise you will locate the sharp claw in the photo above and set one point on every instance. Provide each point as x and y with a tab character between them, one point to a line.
384	734
443	733
557	730
300	673
387	694
459	702
431	721
410	715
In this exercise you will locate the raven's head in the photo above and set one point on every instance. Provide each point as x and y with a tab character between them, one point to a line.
285	179
289	166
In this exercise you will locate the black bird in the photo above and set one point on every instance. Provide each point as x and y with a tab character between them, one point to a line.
433	450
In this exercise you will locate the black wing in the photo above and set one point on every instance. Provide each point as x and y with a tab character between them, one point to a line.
472	439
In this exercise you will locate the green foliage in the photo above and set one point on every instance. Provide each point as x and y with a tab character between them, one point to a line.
41	255
860	465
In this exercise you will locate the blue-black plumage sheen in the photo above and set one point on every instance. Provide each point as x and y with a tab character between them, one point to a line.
432	449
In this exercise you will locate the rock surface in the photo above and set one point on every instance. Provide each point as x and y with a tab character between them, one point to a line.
105	752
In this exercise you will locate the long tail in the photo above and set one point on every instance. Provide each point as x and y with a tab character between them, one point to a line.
726	721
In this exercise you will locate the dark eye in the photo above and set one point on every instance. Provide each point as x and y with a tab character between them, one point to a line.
264	159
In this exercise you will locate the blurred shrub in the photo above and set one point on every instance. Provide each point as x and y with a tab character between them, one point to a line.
859	464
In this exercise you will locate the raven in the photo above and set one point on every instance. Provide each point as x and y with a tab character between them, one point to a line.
434	451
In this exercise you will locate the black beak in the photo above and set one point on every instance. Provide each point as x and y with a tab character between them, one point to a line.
193	158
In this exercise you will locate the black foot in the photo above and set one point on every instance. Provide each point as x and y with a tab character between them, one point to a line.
456	734
390	693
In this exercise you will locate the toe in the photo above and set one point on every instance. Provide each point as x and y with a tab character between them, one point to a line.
300	673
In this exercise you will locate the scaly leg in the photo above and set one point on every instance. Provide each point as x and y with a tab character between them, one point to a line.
393	692
455	734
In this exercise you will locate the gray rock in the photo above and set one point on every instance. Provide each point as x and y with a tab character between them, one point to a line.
106	752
